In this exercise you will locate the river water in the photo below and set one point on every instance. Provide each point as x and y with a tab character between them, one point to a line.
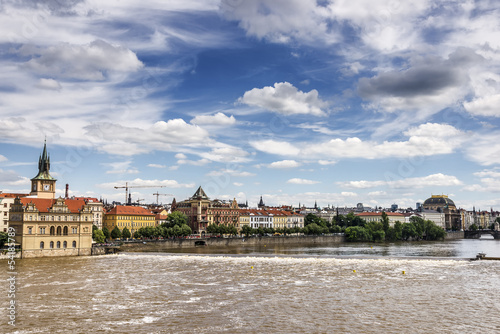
346	288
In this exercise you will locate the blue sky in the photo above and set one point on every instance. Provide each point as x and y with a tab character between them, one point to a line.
338	102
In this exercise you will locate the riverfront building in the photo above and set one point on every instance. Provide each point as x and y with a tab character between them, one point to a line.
377	217
45	226
441	203
131	217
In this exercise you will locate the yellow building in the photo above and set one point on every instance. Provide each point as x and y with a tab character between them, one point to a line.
131	217
45	226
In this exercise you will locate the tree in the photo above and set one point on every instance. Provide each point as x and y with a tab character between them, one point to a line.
385	221
176	218
4	237
98	236
357	233
106	233
408	231
115	233
246	230
473	227
126	233
311	218
186	230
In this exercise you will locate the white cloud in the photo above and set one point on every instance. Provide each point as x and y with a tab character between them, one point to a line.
156	166
484	106
275	147
93	61
11	178
217	119
285	99
326	162
434	180
180	156
200	162
49	84
147	183
424	140
348	194
231	172
238	184
2	158
284	164
301	181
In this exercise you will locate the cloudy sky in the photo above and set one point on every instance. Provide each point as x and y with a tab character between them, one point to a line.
333	101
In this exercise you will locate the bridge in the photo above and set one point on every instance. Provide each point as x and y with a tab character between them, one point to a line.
478	233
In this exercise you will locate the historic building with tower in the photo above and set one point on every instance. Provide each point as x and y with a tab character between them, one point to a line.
46	226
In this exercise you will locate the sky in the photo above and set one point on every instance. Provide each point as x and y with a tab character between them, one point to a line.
298	101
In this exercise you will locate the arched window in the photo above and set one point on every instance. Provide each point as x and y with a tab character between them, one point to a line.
58	244
42	244
65	244
65	230
51	244
74	244
52	230
59	230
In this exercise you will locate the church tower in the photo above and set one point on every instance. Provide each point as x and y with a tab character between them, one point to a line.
43	185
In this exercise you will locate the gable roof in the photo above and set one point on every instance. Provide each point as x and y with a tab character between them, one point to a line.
129	210
45	204
199	194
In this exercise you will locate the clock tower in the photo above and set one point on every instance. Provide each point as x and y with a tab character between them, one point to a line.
43	185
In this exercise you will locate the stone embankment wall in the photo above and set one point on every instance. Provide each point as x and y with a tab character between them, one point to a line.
161	245
454	235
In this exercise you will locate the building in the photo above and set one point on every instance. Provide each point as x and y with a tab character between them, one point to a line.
377	217
6	200
45	226
96	207
196	209
131	217
442	203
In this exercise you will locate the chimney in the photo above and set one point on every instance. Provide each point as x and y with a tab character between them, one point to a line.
67	191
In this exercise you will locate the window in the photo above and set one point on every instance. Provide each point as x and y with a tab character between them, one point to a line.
42	230
52	230
74	244
51	244
30	230
59	230
65	230
58	244
65	244
74	230
42	244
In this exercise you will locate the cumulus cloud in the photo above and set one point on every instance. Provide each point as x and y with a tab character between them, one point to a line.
231	172
156	166
149	183
217	119
49	84
93	61
11	178
424	140
284	164
438	179
301	181
484	106
285	99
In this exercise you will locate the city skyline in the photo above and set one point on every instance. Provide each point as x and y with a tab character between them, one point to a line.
373	102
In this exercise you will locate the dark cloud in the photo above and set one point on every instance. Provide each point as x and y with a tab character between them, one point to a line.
427	77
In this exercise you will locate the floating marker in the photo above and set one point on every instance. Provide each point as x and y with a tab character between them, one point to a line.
354	271
403	272
251	267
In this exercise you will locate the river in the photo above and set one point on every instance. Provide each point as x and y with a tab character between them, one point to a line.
346	288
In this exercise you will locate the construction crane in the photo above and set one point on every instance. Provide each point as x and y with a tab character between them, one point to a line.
158	195
127	187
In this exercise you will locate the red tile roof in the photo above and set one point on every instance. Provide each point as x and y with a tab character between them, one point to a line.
11	195
396	214
129	210
44	204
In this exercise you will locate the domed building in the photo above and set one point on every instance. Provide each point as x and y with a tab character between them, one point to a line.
439	202
442	203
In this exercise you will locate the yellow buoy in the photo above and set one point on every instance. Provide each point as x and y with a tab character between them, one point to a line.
251	267
403	272
354	271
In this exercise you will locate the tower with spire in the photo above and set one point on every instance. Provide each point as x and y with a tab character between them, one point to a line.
43	185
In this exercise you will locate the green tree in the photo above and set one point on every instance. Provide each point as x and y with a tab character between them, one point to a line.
137	235
473	227
176	231
106	233
176	218
186	230
94	227
311	218
4	237
357	233
126	233
213	229
98	236
408	231
115	233
246	230
385	221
